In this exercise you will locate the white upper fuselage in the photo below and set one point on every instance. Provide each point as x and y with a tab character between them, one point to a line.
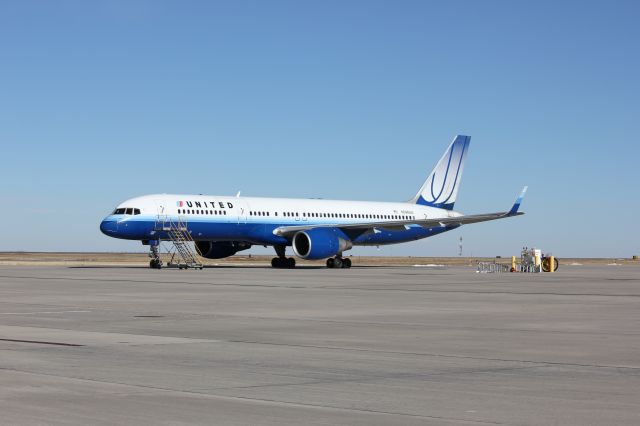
215	208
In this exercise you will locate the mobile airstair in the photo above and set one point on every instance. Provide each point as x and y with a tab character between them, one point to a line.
182	249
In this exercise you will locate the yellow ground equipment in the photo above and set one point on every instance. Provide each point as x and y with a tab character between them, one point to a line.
550	263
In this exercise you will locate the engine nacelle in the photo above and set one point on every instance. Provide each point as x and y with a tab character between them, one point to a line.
319	243
220	249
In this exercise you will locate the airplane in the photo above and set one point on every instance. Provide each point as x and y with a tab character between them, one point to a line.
316	229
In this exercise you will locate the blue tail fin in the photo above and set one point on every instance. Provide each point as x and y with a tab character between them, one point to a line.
441	187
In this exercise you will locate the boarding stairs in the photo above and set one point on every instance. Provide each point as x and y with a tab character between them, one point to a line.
183	250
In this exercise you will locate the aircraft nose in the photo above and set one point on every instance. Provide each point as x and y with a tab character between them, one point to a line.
108	227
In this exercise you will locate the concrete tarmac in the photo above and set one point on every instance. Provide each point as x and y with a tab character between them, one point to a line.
365	346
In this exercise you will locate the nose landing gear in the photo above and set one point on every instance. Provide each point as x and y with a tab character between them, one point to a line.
154	254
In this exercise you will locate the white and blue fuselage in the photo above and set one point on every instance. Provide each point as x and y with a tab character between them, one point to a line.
315	228
255	220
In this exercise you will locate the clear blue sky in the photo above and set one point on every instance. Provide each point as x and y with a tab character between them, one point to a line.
102	101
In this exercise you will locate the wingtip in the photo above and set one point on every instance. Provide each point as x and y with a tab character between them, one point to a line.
516	205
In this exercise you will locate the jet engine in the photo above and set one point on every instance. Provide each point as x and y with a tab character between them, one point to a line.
220	249
320	243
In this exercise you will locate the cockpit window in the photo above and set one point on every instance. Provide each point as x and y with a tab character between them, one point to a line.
126	210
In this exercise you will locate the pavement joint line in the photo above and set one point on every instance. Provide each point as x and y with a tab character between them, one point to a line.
256	342
197	317
540	363
264	400
41	342
36	313
324	287
371	378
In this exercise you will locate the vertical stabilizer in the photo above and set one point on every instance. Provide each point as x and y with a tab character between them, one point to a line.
441	187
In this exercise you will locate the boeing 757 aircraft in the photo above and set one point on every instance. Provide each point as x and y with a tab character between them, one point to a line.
315	228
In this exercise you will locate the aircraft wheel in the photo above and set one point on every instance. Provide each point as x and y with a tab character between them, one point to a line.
346	263
291	263
337	262
330	262
275	262
155	264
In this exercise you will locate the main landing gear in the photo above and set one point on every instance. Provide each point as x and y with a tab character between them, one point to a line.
338	262
282	261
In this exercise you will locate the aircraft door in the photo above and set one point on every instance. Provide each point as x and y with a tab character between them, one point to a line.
243	211
162	213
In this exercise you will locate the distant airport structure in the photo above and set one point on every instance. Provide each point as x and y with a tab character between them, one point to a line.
316	229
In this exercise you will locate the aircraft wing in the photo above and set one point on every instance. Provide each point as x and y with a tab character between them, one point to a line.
288	231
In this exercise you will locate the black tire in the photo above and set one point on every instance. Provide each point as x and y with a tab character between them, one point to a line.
291	263
337	263
152	264
331	262
556	264
346	263
275	262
